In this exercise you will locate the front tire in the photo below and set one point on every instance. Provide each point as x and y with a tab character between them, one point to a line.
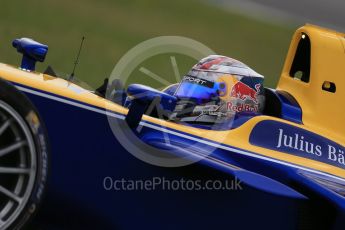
23	158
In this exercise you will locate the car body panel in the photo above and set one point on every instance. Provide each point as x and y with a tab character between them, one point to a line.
86	154
322	111
238	138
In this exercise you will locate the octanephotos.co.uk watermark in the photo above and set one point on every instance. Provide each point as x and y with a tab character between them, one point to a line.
165	184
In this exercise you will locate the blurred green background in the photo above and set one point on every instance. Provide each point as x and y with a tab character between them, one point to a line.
112	28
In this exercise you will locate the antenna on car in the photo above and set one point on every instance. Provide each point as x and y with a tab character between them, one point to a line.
77	60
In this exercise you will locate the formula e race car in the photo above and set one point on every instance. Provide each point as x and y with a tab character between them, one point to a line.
72	158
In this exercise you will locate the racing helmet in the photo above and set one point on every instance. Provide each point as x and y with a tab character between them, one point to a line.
217	89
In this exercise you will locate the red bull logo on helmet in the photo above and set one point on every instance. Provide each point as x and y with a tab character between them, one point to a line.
243	91
242	107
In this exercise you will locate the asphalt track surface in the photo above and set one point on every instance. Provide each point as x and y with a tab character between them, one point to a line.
328	13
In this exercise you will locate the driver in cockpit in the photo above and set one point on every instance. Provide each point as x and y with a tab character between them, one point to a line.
217	89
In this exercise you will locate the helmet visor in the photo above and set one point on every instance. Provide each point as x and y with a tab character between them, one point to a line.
200	87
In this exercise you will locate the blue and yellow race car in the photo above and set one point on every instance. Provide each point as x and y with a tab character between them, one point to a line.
137	157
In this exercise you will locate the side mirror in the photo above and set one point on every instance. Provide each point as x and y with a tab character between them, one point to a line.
32	52
142	97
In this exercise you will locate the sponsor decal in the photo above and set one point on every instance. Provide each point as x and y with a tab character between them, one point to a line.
199	81
211	110
296	141
241	107
242	91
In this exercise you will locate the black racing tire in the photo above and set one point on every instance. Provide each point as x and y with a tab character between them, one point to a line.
24	158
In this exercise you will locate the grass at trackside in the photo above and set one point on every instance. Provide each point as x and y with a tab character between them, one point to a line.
114	27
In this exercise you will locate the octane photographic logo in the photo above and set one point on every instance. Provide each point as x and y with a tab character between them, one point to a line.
170	49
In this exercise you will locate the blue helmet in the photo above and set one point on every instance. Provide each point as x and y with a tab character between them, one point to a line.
216	89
